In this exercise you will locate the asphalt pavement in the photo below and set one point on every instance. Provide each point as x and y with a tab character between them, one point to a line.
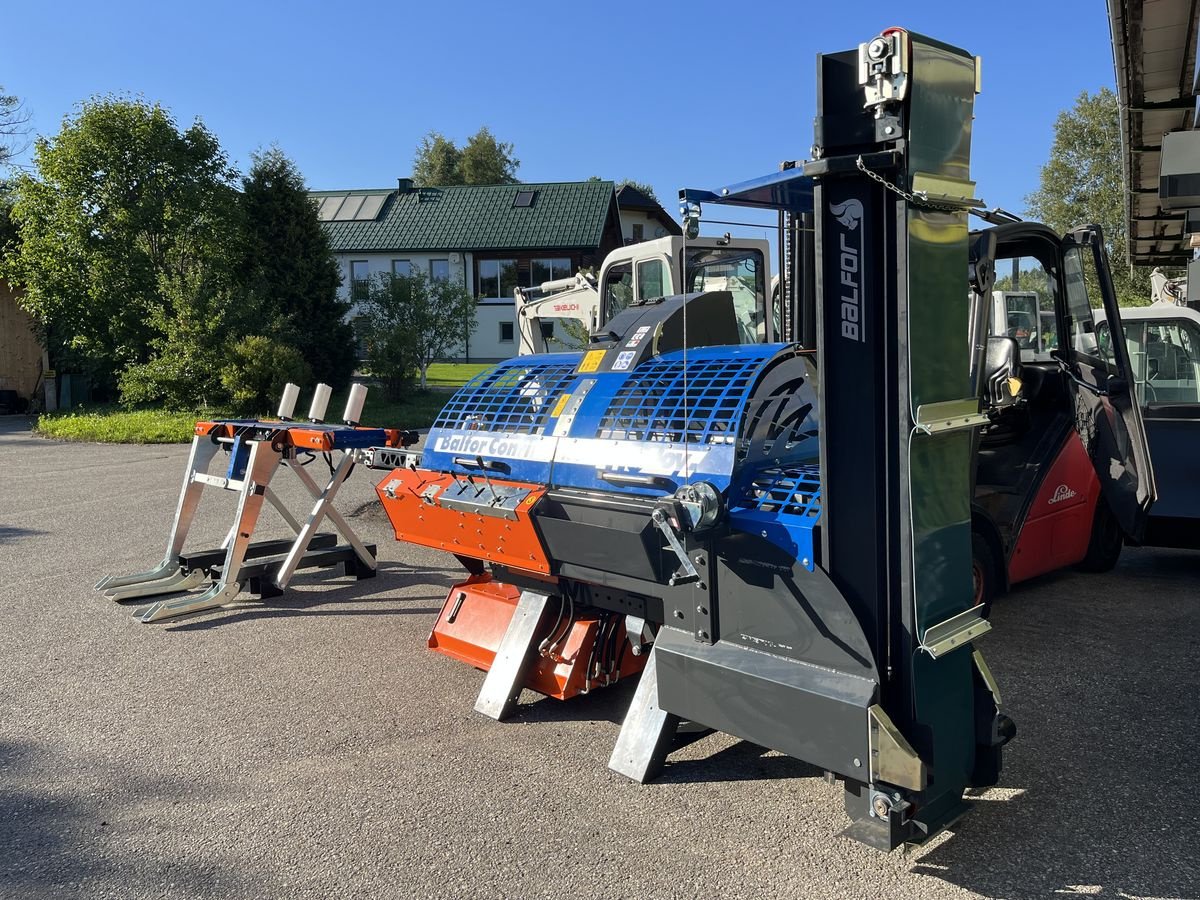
310	746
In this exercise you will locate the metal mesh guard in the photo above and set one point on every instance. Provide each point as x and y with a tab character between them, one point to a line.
509	399
662	401
792	491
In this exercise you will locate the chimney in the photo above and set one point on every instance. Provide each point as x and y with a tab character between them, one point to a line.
404	185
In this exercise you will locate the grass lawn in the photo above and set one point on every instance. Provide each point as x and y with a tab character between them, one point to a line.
116	425
453	375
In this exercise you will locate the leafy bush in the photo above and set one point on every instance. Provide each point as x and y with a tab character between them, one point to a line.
257	370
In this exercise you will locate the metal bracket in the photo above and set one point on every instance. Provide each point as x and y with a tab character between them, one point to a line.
893	760
957	631
949	415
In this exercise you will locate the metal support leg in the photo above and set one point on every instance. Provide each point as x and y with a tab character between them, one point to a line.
515	655
646	735
202	452
322	509
263	462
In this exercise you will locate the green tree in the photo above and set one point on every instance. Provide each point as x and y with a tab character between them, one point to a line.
1082	183
638	185
123	205
255	371
483	160
488	161
436	163
14	127
409	321
288	270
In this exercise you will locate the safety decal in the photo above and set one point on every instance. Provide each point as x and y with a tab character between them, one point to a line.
638	336
558	407
624	360
591	361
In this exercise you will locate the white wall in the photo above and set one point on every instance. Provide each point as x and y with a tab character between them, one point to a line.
485	343
651	227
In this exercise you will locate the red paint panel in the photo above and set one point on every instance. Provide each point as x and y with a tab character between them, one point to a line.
477	613
1059	525
510	542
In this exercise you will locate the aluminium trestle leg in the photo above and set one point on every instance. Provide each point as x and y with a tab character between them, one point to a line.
169	576
226	572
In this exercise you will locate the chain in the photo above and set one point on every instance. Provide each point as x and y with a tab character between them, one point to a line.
920	198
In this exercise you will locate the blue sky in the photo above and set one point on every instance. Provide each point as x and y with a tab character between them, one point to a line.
697	94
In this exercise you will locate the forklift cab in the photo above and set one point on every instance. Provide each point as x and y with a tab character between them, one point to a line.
1063	470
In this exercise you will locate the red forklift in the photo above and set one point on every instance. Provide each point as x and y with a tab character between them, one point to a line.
1063	474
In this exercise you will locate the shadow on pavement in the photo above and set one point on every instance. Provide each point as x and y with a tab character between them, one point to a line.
1095	794
319	597
64	837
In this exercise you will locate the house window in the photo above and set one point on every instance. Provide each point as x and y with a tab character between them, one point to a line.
524	198
549	270
439	269
497	279
639	232
506	332
401	268
360	280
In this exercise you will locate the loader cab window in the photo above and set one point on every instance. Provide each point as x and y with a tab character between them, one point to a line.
617	290
651	279
1023	308
1165	357
742	273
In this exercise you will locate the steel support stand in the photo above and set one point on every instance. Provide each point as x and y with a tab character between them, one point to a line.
647	732
517	652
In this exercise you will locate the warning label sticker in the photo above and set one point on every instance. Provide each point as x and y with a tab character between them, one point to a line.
591	361
624	360
558	407
638	336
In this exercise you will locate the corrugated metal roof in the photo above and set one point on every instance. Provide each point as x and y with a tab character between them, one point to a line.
1154	51
567	215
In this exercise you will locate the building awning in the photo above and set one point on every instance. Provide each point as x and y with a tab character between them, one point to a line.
1154	51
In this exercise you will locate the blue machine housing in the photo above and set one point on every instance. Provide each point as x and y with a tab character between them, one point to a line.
741	417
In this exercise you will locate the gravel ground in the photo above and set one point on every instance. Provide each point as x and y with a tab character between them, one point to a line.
311	747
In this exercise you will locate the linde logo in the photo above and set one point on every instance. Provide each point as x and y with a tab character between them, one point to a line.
1061	493
849	214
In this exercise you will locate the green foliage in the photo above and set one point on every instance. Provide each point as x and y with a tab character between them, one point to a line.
288	270
409	321
1082	183
14	127
122	202
256	371
188	349
488	161
483	160
436	163
639	186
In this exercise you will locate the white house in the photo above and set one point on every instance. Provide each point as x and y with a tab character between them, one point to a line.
491	238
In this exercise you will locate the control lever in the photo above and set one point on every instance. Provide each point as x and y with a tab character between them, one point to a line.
659	518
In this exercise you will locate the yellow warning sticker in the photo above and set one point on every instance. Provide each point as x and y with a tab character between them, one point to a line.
591	361
558	407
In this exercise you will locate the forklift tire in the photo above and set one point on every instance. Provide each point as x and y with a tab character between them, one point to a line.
1104	547
983	572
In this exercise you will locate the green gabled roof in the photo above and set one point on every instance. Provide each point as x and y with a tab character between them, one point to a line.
567	215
